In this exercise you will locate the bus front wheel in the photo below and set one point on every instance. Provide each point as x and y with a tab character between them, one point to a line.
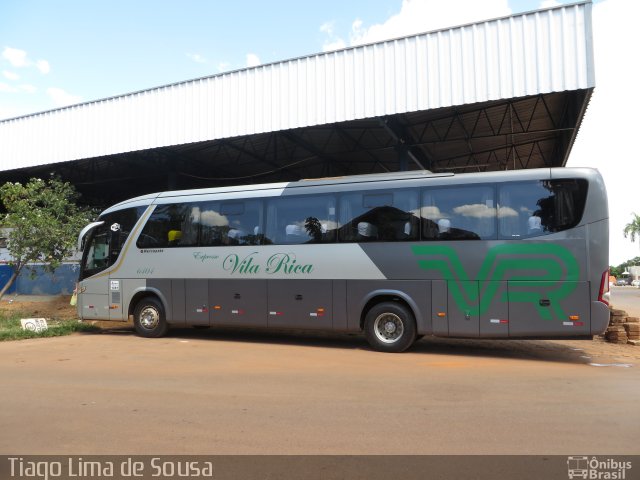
149	318
390	327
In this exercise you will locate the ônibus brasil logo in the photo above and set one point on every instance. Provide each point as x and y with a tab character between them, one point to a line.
597	469
534	266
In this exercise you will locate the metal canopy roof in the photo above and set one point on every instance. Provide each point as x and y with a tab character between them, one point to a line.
503	94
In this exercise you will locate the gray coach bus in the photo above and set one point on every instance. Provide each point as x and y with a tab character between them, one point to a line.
520	254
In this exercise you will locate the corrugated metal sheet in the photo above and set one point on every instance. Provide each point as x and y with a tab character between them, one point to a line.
537	52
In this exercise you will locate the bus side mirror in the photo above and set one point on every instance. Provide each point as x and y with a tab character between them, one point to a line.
83	233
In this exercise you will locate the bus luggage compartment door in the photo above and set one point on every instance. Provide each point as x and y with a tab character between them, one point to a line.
494	309
300	304
238	302
439	315
549	309
463	307
196	302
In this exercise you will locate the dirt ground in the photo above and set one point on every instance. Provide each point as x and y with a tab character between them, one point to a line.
54	307
239	392
232	391
58	308
49	307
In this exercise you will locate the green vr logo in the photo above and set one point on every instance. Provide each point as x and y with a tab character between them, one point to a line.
534	266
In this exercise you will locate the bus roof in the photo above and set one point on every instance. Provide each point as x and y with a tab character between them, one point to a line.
510	175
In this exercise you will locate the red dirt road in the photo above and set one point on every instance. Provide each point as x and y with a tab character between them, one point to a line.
249	392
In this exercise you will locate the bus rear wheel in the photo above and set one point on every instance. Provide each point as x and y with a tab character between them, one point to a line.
390	327
149	319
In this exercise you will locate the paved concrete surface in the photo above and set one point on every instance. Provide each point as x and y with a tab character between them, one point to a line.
231	392
626	298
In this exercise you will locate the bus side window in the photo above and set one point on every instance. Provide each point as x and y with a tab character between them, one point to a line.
519	213
173	225
301	219
460	213
213	225
529	209
244	219
387	216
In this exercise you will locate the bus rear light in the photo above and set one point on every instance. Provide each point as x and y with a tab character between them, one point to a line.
574	317
573	324
442	314
603	294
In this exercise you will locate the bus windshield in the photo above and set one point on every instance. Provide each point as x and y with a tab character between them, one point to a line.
106	239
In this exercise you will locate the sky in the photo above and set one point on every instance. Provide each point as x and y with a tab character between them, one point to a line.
54	54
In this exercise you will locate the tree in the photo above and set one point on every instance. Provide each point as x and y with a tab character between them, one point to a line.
43	221
633	229
615	271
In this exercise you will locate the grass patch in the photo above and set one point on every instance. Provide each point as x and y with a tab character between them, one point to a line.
11	329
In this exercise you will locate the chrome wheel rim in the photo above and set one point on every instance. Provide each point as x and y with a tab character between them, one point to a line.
388	327
149	318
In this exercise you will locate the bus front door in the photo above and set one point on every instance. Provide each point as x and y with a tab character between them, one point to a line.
94	299
93	287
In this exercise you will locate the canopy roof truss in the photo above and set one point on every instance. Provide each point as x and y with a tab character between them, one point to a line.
454	100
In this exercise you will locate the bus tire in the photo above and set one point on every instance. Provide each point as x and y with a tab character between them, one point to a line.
390	327
149	319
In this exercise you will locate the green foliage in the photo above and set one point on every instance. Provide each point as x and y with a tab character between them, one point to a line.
617	271
11	329
44	222
632	229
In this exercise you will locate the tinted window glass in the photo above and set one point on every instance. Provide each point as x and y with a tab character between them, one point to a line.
301	219
212	224
528	209
203	224
458	213
170	226
120	225
228	223
239	223
105	242
379	216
